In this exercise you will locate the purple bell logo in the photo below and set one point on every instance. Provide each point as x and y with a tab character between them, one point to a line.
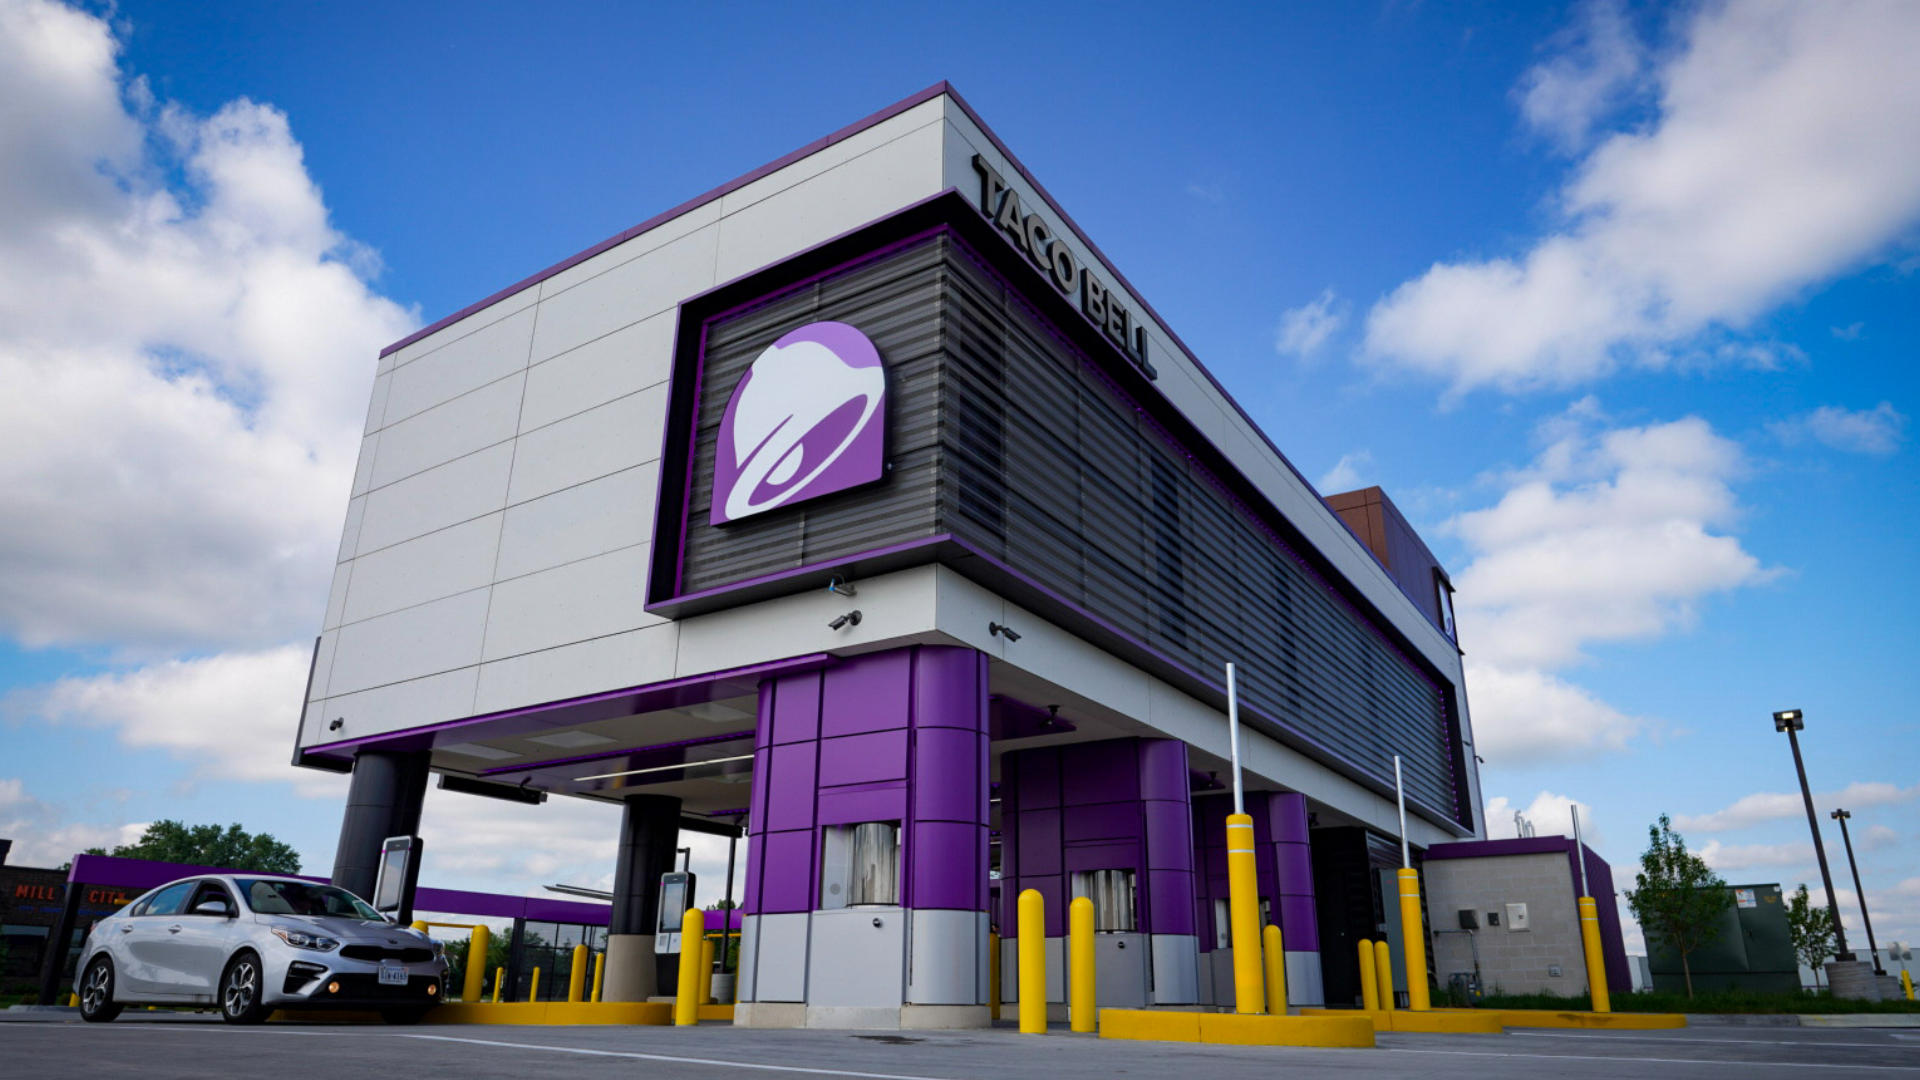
807	419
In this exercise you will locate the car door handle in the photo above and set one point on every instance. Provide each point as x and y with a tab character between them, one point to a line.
126	929
174	929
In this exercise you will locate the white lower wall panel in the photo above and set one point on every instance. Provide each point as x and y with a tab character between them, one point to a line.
424	640
458	491
600	371
635	658
410	704
579	522
592	598
595	443
443	563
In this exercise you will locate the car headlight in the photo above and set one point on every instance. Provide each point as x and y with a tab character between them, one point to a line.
300	939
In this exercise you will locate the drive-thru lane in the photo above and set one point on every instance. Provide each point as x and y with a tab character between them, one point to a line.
164	1047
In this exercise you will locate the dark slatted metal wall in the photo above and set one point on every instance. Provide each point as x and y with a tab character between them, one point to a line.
1002	433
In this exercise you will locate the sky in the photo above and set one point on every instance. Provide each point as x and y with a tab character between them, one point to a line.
1616	301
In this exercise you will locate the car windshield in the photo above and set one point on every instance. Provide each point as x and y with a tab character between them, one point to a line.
304	898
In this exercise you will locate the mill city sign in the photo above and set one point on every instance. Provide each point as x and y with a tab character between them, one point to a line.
1034	237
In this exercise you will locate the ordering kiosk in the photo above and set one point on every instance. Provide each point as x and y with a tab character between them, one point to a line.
399	878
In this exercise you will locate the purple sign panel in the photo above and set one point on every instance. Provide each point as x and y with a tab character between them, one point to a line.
807	419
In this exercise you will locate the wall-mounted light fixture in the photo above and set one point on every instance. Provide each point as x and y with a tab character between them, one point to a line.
338	723
1000	630
851	618
841	586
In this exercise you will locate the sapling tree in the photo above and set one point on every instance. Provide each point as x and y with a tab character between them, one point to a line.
1810	928
1678	897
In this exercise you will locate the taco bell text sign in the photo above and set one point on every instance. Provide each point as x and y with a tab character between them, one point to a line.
807	419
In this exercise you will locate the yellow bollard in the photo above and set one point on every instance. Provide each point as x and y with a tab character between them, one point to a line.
420	925
686	1002
73	1001
599	971
1276	971
1383	974
993	975
1413	931
1906	983
577	976
1369	981
533	988
1081	1008
499	975
1596	962
706	971
1243	906
478	943
1033	963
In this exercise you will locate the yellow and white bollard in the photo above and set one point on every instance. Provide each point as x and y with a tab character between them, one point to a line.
478	945
1413	937
1276	971
577	976
1383	975
1081	1009
1243	916
1596	961
1033	963
686	1003
1369	979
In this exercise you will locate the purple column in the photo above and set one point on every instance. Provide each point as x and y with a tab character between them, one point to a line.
899	736
1292	895
1119	804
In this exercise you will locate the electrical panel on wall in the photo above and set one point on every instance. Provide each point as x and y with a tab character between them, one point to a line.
1517	917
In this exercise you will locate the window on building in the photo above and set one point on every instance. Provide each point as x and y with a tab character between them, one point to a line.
1443	592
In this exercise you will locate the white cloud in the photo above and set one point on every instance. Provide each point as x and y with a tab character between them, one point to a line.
1346	473
1610	535
1879	838
232	715
42	835
1304	330
1878	430
1750	856
1785	150
1765	806
186	344
1565	96
1549	815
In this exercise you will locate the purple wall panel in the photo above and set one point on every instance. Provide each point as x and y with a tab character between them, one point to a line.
1105	821
891	736
1115	855
948	782
868	693
1035	775
1100	772
863	759
851	806
1163	771
1170	902
1039	842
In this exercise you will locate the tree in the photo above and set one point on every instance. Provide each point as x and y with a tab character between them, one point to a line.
1811	929
230	848
1679	897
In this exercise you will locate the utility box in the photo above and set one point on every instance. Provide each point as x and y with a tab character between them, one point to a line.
1753	951
1515	903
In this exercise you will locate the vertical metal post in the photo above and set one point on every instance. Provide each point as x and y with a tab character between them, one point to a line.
727	909
1413	930
1243	880
54	963
1579	850
1590	928
1819	849
1233	741
1873	948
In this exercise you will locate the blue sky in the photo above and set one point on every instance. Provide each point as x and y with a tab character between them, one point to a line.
1617	303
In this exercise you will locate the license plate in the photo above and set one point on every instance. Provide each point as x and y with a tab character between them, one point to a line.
393	975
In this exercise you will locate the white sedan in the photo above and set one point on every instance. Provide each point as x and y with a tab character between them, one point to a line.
253	943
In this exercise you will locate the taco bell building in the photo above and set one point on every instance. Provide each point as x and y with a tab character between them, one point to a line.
861	504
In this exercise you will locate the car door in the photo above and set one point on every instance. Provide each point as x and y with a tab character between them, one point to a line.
194	949
140	951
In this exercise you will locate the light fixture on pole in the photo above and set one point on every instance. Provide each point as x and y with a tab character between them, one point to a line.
1846	838
1792	721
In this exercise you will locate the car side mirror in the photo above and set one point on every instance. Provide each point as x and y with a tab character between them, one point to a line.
213	907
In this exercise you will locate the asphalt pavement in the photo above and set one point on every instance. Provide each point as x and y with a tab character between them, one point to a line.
168	1045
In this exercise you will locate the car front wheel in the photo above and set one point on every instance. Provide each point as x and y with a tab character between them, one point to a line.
96	992
241	989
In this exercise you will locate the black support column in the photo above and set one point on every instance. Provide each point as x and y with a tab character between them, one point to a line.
388	790
649	833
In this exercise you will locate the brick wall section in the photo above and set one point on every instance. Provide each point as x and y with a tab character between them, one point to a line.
1511	961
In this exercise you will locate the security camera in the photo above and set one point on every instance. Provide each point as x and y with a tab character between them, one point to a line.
851	618
338	723
1003	631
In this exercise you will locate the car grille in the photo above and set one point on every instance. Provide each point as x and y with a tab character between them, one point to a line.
382	952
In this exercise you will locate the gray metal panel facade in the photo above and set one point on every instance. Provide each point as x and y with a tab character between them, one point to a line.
1007	437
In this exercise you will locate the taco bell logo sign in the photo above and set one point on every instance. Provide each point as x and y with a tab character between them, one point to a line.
807	419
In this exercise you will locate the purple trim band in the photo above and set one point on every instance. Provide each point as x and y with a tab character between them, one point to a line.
346	747
694	203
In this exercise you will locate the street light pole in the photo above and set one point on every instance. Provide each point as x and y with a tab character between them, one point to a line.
1873	949
1791	721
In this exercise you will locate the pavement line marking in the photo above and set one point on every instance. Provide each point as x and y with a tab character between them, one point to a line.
670	1058
1688	1040
1660	1061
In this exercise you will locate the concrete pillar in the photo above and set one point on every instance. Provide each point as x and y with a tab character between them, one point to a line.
649	833
384	800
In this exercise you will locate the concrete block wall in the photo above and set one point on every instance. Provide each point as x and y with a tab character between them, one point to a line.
1511	961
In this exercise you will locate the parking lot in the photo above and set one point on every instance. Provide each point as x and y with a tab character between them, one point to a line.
166	1046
